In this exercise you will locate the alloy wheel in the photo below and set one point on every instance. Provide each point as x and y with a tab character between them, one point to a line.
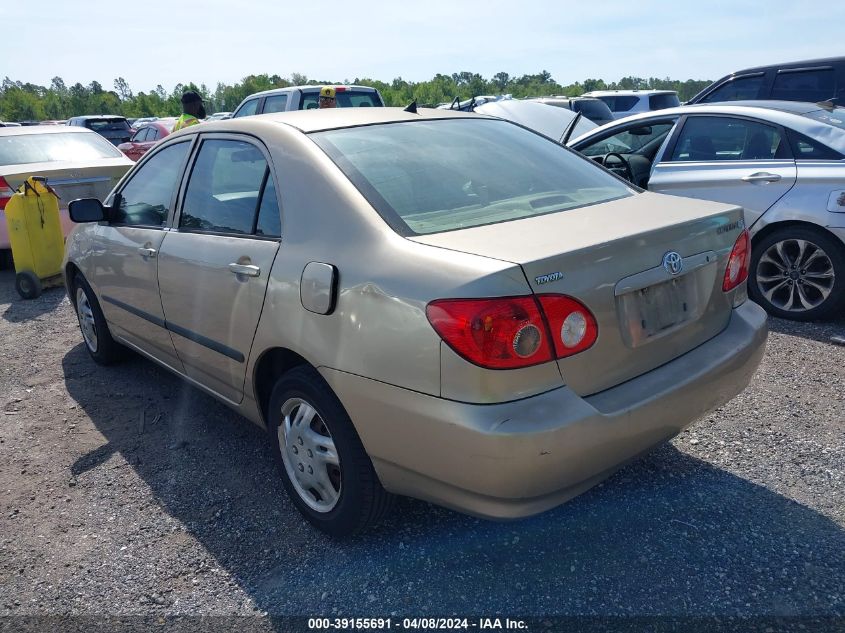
795	275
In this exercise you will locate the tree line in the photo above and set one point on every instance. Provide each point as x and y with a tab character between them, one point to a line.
30	102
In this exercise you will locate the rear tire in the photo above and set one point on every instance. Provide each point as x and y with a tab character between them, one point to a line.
325	470
798	273
28	285
95	331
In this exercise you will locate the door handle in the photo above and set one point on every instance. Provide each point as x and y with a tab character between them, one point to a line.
244	269
761	176
147	252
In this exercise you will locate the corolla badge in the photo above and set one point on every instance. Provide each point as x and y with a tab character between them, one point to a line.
673	263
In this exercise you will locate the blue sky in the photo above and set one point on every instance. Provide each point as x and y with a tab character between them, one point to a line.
169	42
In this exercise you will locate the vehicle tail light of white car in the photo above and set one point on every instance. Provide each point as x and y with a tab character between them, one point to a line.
738	263
513	332
6	192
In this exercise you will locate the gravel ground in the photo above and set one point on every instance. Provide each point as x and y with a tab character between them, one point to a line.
126	492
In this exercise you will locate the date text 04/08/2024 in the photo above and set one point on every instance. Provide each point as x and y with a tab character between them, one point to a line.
384	624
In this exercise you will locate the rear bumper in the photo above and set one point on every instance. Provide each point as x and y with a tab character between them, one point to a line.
519	458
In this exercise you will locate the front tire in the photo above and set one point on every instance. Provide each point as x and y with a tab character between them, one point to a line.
798	273
325	470
95	331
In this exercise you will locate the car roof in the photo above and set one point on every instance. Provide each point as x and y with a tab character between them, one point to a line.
595	93
86	117
788	113
43	129
308	88
328	119
798	64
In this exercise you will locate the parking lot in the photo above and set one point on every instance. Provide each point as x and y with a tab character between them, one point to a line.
125	491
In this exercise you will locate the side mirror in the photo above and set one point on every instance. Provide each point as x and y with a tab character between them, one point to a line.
86	210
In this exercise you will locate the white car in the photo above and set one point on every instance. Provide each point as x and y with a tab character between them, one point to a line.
783	161
628	102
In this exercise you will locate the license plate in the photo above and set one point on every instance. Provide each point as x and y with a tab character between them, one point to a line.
656	309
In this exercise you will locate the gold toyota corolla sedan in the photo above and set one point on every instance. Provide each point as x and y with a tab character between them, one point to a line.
434	304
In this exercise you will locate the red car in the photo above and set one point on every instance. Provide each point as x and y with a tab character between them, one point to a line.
146	137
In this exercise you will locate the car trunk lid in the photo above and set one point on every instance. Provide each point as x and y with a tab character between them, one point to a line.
611	258
71	181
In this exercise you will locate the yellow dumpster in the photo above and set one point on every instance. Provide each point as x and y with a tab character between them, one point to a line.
35	234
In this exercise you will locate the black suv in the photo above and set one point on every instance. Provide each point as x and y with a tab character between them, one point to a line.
812	80
114	128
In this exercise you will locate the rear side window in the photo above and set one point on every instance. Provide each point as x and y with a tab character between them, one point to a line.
807	149
805	85
145	200
276	103
739	89
344	99
725	138
269	222
224	189
247	109
663	101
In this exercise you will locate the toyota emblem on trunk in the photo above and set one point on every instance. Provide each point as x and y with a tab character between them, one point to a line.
673	263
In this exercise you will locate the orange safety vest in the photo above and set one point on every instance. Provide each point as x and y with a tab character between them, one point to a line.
186	120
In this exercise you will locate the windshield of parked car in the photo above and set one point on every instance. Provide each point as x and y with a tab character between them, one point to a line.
834	116
433	176
23	149
343	99
102	125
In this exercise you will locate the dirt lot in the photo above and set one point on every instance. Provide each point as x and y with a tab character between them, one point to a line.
126	492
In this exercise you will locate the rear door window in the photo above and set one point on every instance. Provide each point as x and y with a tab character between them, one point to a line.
804	85
275	103
709	138
224	188
739	89
145	200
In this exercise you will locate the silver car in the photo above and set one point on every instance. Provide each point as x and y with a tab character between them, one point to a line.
783	161
434	304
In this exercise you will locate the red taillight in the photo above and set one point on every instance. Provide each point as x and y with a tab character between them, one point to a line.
572	325
737	269
6	192
512	332
340	89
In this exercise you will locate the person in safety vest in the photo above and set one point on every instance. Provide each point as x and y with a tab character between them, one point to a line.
192	111
327	97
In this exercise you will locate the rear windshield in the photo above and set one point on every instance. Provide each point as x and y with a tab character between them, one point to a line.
592	108
835	116
103	125
344	99
45	148
661	102
434	176
619	103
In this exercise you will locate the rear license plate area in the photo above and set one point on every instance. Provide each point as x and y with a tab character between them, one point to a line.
656	310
